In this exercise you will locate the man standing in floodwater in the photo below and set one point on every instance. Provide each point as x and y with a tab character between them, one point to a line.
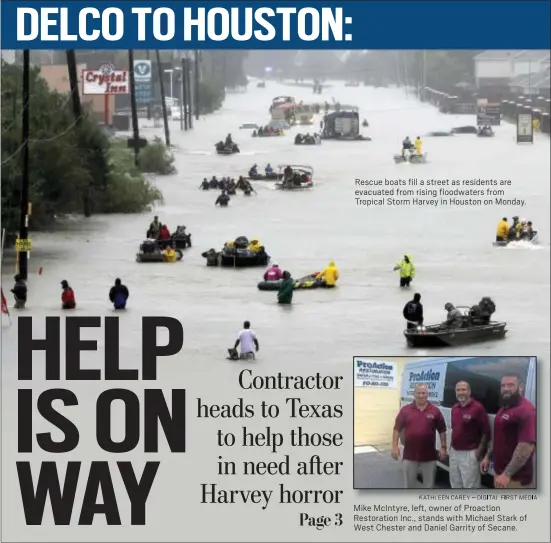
470	436
419	421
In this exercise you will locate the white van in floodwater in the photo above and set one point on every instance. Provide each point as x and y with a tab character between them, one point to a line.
483	375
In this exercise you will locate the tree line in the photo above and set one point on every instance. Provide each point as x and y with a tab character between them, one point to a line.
74	166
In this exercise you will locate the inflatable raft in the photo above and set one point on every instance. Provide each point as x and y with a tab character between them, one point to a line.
156	256
304	283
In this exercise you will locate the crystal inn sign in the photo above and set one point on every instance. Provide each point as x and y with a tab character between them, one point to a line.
105	81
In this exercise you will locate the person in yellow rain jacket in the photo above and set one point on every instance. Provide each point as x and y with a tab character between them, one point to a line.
519	228
536	125
418	146
170	254
329	275
254	246
502	230
229	244
407	271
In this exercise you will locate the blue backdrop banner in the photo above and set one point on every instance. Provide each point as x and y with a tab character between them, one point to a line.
99	24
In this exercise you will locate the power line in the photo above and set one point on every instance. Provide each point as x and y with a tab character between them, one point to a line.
45	140
69	97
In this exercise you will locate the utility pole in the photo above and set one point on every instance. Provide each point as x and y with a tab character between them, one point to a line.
77	113
184	92
197	81
163	99
188	90
148	57
73	84
23	255
134	109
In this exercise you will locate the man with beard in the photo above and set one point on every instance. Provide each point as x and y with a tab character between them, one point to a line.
470	436
514	441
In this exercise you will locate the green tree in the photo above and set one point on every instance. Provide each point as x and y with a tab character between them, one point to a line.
68	160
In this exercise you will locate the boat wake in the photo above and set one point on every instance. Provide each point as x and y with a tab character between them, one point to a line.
525	245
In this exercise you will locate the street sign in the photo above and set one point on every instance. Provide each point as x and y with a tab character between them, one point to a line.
525	128
23	245
105	81
142	71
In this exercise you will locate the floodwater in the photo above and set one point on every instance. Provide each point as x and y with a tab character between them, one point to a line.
451	246
303	231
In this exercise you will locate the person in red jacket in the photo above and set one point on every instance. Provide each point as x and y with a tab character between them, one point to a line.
164	234
67	296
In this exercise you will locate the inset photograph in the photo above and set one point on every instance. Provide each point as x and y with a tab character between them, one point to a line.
445	422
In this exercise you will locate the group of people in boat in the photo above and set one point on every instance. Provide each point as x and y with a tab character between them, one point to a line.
307	139
295	177
227	145
410	148
519	230
161	240
253	170
268	131
228	185
328	278
478	315
485	130
241	244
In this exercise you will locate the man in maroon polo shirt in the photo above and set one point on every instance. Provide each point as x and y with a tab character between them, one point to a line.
419	421
471	435
514	440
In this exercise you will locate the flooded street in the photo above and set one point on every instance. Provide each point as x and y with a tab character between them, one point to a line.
302	231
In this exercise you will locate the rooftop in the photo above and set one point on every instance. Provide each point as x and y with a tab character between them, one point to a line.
513	54
499	54
533	54
538	80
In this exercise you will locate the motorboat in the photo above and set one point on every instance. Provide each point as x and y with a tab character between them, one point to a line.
439	134
534	240
302	177
152	251
412	158
485	133
301	139
249	126
272	176
223	149
465	130
440	335
237	256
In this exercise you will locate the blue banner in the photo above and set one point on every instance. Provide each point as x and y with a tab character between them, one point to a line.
103	24
144	93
